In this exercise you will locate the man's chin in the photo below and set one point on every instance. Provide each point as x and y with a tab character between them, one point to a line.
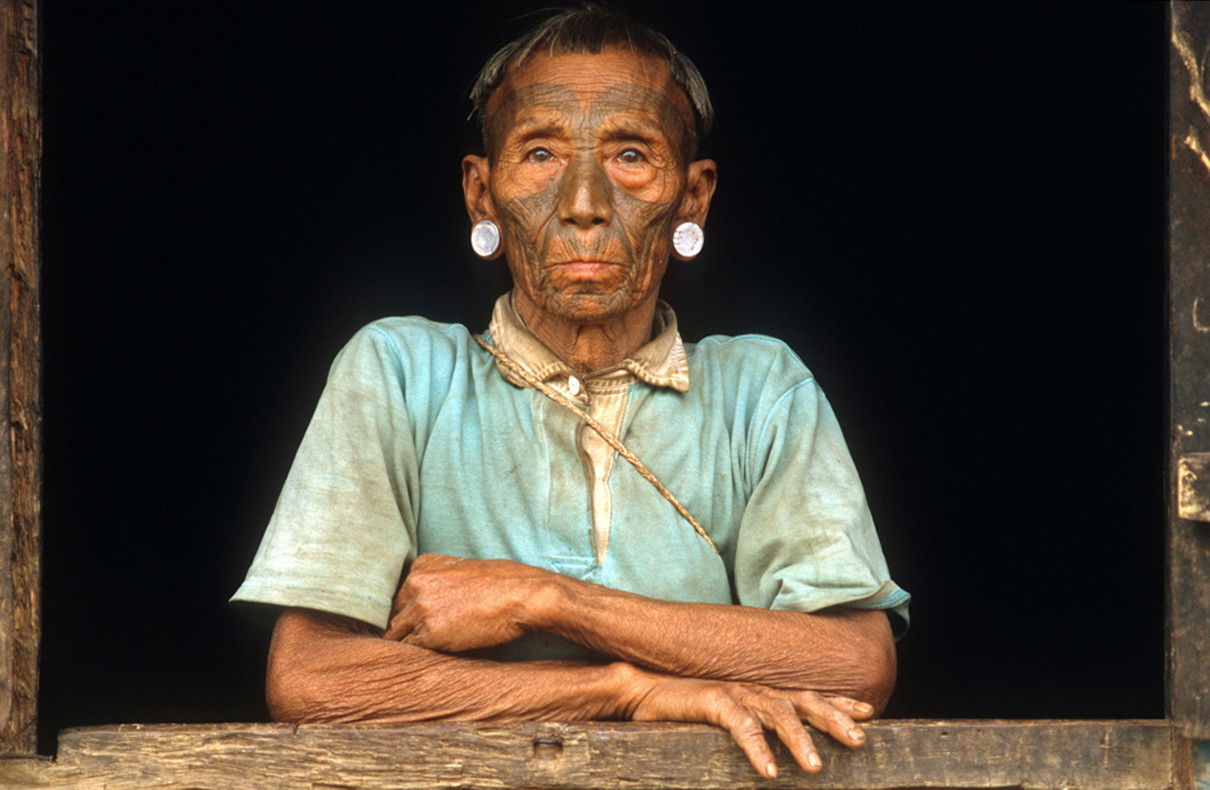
586	308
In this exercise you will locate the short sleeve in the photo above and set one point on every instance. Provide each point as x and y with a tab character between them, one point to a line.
806	539
343	526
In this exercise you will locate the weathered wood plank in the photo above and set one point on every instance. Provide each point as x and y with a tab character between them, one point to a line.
899	754
20	348
1189	296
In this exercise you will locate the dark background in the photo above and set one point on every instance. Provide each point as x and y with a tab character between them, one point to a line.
953	212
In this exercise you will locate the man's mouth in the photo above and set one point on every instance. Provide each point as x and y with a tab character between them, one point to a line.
585	268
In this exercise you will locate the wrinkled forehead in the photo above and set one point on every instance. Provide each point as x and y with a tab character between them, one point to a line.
591	88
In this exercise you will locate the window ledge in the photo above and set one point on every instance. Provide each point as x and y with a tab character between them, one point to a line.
1107	755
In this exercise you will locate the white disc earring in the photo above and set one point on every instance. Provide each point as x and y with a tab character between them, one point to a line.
687	240
485	238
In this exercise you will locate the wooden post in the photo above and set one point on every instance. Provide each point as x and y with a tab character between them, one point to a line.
20	374
1189	302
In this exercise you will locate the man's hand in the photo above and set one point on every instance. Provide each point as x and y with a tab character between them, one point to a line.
452	604
754	671
324	668
747	709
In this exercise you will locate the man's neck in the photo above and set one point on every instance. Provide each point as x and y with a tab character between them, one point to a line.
587	348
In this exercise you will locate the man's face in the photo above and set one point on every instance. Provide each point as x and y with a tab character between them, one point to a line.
588	162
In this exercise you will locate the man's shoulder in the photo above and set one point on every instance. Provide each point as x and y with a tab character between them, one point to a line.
747	343
402	346
408	335
748	358
413	329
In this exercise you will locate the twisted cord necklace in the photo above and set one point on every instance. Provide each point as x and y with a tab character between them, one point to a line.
601	430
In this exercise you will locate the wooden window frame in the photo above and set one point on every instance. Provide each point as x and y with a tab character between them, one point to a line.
1124	755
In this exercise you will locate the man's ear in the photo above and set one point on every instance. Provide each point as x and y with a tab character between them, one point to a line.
699	189
476	175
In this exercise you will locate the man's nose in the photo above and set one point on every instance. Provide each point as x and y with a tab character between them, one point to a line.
584	194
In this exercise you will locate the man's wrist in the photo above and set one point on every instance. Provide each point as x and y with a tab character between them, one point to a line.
630	685
543	604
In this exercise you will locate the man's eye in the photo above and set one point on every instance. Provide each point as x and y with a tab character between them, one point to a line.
631	157
539	155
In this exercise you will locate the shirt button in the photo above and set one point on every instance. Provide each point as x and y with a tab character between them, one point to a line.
573	386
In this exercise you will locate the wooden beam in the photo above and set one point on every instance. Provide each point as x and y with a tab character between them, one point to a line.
1189	301
20	369
1118	755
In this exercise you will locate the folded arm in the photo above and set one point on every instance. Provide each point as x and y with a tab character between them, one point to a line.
453	604
325	668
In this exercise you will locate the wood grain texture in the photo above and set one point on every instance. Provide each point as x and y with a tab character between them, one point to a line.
20	375
1189	297
899	754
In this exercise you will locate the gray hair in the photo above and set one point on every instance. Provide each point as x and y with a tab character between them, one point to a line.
588	30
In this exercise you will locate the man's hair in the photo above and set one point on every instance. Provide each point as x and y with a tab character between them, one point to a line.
588	30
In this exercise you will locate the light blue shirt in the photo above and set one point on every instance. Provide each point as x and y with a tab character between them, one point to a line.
419	445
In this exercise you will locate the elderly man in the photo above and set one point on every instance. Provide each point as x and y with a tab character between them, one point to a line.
576	515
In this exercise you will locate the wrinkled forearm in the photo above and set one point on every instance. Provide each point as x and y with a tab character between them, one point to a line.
325	669
454	604
847	652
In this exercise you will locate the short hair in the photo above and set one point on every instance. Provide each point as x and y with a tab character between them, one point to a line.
588	30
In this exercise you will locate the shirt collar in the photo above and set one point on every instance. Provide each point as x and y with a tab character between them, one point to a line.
661	362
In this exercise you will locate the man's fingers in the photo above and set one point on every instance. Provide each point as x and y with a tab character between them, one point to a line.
821	714
747	710
402	600
747	732
417	639
747	720
857	710
781	716
401	624
784	716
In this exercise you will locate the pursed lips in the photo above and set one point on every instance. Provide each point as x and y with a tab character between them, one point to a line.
571	258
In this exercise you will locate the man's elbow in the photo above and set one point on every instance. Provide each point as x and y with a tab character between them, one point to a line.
298	686
286	703
878	676
875	662
290	694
